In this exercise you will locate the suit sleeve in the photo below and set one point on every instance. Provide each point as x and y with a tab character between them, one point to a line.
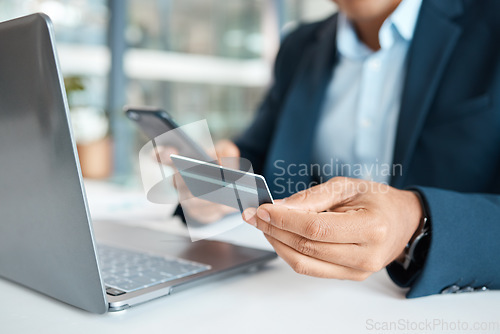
464	248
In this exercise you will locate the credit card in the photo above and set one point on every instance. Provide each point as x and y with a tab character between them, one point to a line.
218	184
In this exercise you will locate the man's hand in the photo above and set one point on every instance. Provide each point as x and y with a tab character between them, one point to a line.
345	228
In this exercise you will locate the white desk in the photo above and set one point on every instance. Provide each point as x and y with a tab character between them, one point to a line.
274	300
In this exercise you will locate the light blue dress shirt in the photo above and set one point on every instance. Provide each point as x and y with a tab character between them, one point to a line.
357	126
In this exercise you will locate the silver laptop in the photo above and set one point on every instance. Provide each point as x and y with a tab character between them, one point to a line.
46	236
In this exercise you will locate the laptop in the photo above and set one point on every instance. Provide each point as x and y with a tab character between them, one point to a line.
47	239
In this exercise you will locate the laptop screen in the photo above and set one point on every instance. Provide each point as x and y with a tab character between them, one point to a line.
46	241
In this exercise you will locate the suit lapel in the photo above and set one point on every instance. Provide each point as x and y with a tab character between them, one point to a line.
312	83
434	40
295	132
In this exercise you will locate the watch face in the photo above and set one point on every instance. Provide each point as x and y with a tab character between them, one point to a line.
421	248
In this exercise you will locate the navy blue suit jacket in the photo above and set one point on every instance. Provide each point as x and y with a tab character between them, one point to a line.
448	136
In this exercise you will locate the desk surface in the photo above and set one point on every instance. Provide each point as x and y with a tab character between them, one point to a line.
273	300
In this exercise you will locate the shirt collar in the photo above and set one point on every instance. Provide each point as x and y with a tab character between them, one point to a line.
404	18
400	24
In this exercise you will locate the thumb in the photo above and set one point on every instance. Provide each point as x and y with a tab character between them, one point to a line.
323	196
228	154
226	148
162	154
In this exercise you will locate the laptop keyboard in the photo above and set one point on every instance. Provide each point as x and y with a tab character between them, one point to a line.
125	271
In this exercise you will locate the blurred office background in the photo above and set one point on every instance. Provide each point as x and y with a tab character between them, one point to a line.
198	59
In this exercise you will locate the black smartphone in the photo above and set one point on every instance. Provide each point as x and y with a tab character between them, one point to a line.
154	122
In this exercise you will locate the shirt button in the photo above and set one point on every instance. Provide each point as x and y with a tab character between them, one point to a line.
374	64
366	123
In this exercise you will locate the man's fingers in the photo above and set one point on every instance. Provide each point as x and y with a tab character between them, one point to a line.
182	189
324	196
336	227
228	154
348	255
226	148
306	265
204	211
162	154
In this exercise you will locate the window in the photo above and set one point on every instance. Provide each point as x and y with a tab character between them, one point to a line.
196	58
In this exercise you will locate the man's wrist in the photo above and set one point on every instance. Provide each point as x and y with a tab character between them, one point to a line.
409	257
416	217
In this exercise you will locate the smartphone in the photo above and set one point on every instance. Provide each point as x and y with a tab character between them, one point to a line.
154	122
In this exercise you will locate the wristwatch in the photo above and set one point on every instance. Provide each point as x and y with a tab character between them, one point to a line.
416	250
